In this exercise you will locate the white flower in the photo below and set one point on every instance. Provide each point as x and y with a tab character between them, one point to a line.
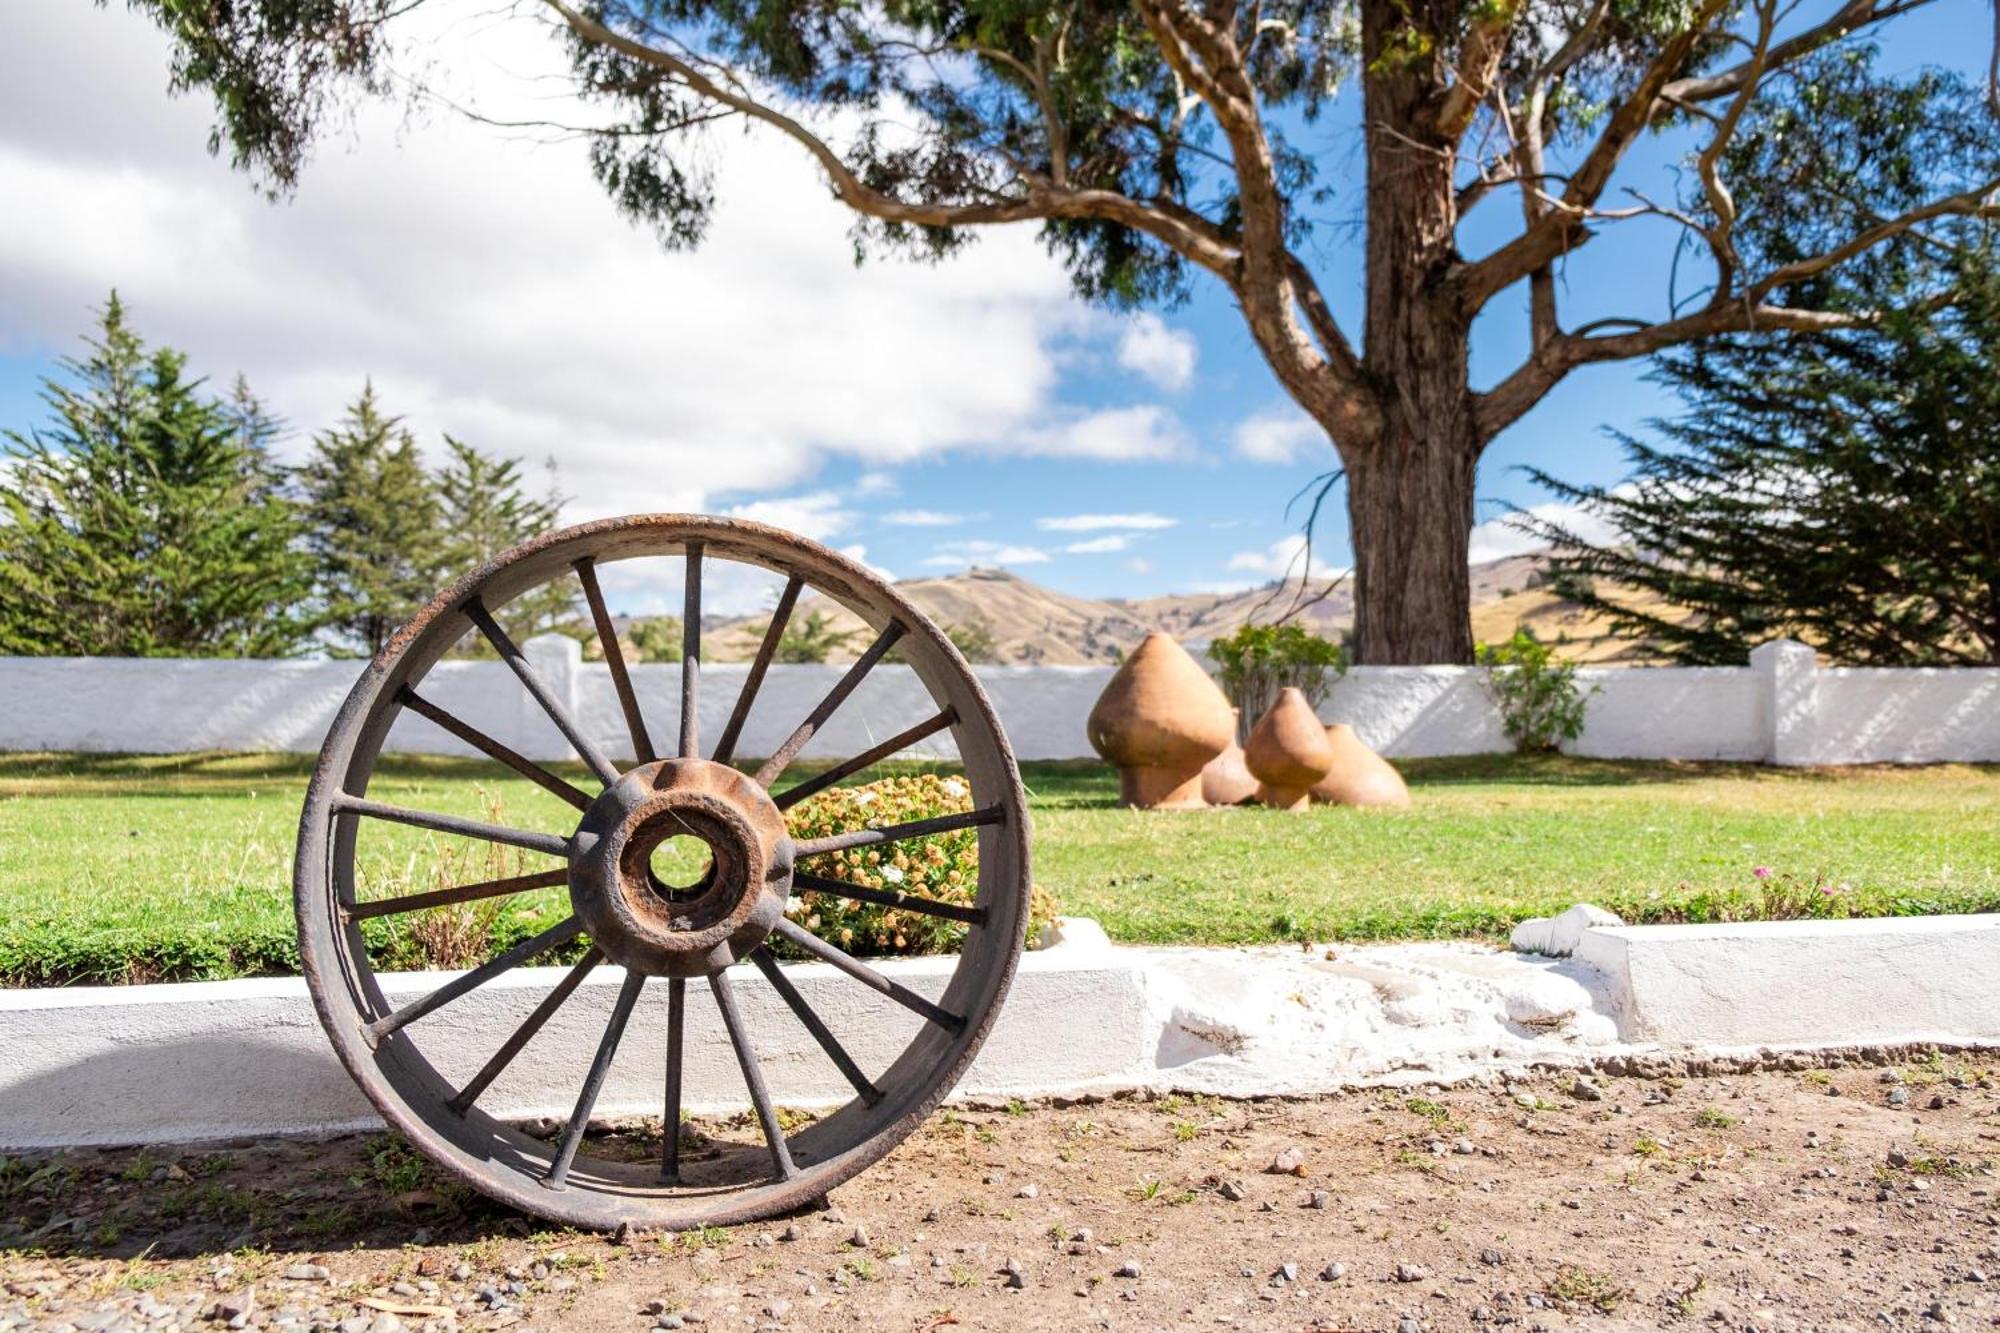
865	797
893	874
955	788
794	905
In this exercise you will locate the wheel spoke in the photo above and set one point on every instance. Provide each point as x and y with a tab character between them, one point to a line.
555	935
753	1075
888	898
781	616
793	933
614	657
464	893
493	749
836	696
782	984
504	645
791	796
921	828
691	655
593	1082
551	843
544	1011
670	1122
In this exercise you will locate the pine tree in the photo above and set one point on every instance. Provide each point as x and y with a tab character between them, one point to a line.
1843	491
487	510
375	521
144	520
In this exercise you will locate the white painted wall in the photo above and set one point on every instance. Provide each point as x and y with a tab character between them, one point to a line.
1780	709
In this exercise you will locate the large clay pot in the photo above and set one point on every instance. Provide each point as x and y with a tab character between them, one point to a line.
1160	720
1359	776
1227	780
1288	752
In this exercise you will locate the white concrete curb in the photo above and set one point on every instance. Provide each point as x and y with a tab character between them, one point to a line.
181	1063
221	1059
1867	981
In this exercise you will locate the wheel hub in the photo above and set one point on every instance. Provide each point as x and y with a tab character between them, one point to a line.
646	926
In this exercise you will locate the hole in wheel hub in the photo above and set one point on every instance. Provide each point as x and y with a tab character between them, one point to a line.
635	879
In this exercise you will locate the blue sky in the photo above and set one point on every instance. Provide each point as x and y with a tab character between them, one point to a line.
924	419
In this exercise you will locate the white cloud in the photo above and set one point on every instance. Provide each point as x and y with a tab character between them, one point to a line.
964	554
875	483
1146	433
1116	541
491	289
1138	564
1498	538
1157	353
1101	522
922	518
1281	436
1284	559
820	515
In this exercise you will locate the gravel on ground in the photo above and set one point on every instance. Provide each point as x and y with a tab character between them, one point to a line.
1849	1197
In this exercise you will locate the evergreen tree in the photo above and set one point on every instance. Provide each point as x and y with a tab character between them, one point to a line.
1844	491
486	510
146	520
376	525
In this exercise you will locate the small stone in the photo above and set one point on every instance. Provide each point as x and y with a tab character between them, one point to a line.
1233	1190
1936	1103
1464	1148
1286	1273
859	1240
308	1273
790	1233
357	1324
1017	1278
1899	1096
461	1273
1290	1161
1584	1090
1130	1268
1409	1324
1333	1272
931	1215
1028	1191
1492	1257
670	1321
778	1308
1318	1199
1411	1272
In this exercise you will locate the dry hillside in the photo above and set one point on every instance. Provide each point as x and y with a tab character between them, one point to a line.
1033	624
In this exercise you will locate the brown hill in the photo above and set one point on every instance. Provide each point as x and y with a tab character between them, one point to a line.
1031	624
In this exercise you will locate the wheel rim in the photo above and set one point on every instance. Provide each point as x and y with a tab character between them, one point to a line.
691	936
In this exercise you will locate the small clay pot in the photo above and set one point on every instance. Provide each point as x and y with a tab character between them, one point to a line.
1226	781
1160	720
1359	776
1288	752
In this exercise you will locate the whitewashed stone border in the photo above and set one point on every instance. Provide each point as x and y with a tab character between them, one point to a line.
183	1063
1780	709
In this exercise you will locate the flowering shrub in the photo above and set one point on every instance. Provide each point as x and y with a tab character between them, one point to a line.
944	866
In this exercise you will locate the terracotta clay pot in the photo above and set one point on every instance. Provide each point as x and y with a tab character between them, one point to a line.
1359	776
1226	780
1288	752
1160	720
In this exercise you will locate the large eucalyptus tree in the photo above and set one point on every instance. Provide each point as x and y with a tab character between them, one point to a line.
1159	143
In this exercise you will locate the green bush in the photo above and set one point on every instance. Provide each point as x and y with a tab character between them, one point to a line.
944	867
1540	703
1258	661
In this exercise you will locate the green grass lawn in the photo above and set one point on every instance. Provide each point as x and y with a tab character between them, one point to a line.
142	868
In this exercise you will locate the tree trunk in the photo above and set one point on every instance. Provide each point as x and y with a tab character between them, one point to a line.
1409	485
1409	506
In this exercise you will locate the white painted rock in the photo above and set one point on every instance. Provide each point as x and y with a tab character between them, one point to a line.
1558	936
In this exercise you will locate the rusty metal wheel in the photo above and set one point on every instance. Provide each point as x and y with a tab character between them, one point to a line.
630	920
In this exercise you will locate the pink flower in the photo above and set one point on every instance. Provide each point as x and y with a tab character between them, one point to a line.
1828	891
1761	872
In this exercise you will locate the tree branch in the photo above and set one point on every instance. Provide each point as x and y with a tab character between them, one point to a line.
1473	79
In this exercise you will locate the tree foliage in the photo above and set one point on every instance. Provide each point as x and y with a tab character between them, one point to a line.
1844	491
377	535
147	518
1541	705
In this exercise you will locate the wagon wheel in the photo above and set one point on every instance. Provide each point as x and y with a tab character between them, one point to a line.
667	937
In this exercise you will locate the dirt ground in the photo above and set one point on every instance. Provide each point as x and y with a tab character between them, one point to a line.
1826	1198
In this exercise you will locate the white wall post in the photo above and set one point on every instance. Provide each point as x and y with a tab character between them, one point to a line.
1790	672
558	660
